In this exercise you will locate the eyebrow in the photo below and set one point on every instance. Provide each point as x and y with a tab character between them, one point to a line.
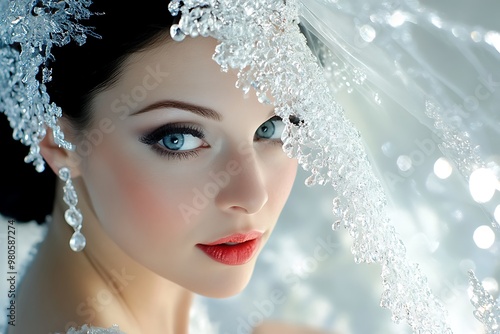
170	104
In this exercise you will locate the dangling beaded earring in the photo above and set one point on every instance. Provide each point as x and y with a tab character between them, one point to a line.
73	216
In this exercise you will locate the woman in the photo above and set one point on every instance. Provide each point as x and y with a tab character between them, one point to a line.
180	180
379	39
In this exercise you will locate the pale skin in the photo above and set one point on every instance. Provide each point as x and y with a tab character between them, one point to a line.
141	267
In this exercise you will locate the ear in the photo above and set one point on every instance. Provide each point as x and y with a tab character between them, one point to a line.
58	157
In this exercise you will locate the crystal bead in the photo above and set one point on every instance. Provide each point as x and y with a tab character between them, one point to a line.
73	217
337	209
47	75
310	181
77	241
336	225
64	174
70	196
40	167
176	33
173	7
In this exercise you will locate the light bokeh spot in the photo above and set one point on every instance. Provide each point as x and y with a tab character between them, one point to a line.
442	168
482	185
484	237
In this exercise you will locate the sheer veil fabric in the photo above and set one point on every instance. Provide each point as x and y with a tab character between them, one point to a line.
421	81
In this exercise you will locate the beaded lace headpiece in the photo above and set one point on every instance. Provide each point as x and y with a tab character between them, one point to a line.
28	31
262	41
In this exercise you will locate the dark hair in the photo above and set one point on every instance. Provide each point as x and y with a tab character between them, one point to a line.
79	72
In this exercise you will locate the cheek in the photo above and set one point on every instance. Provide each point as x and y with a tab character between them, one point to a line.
281	178
133	201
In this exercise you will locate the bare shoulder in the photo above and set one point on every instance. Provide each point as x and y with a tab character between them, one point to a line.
274	327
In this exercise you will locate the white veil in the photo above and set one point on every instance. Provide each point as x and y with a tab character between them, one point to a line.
421	82
439	66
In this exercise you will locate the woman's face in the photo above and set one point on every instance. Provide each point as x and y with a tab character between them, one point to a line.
185	159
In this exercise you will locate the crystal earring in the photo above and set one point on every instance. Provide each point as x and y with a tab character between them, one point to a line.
73	216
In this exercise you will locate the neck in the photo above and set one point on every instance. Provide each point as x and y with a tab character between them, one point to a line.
124	292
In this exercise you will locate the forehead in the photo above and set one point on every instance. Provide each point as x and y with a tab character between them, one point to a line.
180	71
184	64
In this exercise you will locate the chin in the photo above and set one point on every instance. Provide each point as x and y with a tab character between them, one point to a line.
226	284
223	291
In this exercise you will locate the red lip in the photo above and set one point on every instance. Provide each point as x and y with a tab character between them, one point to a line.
241	252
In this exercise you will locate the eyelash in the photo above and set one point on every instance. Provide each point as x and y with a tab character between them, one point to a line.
154	137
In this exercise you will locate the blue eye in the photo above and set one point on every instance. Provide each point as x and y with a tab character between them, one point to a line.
175	140
271	129
181	142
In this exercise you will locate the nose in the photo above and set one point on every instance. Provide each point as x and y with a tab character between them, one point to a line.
246	190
